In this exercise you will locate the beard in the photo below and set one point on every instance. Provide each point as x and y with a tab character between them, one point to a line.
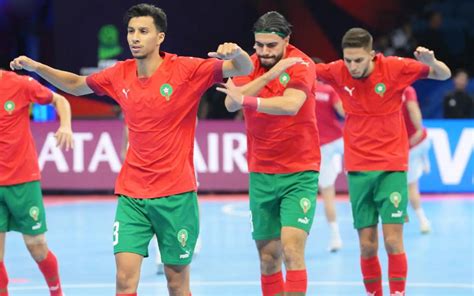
363	75
268	64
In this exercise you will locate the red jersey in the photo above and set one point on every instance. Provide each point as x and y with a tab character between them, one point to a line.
329	126
18	158
279	144
160	112
410	95
375	136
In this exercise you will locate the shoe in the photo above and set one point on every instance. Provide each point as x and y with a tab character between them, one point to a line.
335	244
425	226
198	247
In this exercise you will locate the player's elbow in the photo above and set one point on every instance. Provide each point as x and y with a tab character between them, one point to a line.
231	110
78	90
446	75
247	69
231	107
292	110
442	75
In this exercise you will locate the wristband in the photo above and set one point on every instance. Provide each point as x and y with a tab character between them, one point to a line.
251	103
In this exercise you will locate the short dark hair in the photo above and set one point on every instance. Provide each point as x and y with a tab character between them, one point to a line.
272	22
456	72
357	38
143	9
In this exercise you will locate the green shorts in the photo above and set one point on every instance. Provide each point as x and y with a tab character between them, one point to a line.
378	193
174	219
22	208
278	200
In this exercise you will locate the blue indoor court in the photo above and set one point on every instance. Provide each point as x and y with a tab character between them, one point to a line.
80	233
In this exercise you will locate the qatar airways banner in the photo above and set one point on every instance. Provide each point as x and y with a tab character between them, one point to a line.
220	156
451	156
93	164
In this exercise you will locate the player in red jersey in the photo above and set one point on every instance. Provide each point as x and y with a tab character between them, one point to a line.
328	113
21	200
376	146
283	152
418	161
159	94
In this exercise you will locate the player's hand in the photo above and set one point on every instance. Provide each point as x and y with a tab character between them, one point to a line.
232	92
64	138
24	63
281	67
226	51
416	137
424	55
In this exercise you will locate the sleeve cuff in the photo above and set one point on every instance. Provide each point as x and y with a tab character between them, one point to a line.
218	71
425	72
94	86
299	86
48	99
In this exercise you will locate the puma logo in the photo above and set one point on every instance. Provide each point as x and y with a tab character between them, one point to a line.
125	91
349	90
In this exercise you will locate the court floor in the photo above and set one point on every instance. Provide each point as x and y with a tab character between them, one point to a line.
80	234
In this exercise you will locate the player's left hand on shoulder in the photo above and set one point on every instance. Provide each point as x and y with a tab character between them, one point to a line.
424	55
226	51
64	138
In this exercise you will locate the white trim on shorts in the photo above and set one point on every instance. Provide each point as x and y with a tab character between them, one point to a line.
418	161
331	162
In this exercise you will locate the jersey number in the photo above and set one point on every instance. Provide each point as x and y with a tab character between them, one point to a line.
116	234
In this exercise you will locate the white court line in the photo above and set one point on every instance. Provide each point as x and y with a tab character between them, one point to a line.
248	284
234	209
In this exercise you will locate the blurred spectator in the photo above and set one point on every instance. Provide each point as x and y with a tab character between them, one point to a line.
403	40
212	106
432	36
22	23
382	44
458	103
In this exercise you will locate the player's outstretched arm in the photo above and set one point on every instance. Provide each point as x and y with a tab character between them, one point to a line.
63	135
65	81
237	61
438	69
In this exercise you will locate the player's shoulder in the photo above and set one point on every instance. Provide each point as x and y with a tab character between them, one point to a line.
10	76
293	51
394	60
184	60
186	63
125	64
17	79
337	65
